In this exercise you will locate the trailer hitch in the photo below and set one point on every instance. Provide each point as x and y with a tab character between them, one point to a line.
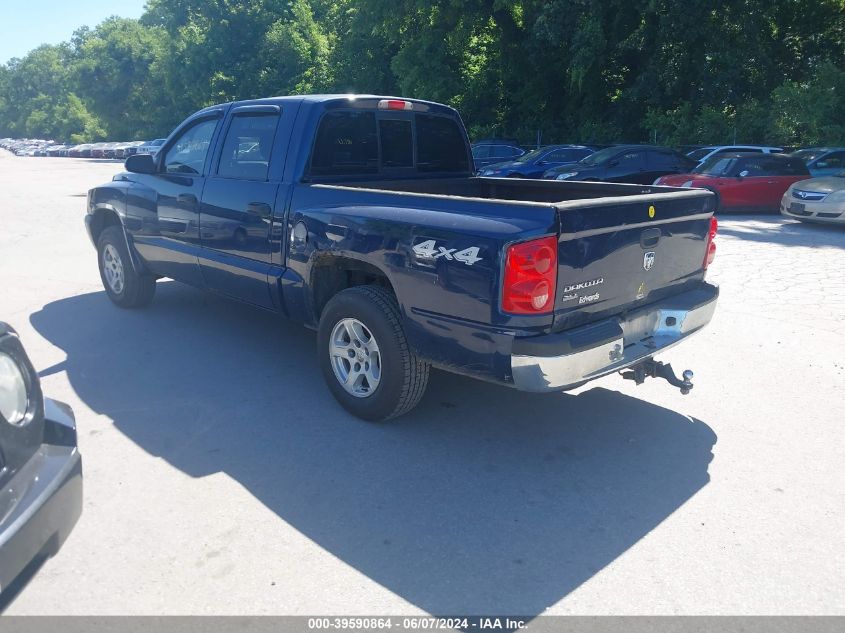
651	368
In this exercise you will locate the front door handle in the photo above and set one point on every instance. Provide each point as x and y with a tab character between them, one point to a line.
186	198
261	209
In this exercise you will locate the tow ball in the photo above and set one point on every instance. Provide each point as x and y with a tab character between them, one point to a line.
651	368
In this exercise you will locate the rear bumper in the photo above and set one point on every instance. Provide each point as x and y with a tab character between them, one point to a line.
42	502
555	362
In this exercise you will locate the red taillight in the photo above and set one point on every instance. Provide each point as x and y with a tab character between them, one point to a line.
710	250
530	277
395	104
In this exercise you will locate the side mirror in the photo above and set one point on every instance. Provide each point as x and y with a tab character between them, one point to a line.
742	174
141	164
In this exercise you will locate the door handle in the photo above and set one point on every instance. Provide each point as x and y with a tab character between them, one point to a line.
261	209
186	198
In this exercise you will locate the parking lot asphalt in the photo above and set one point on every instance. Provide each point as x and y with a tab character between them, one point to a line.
222	478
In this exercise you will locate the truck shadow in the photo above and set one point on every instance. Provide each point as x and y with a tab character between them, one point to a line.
482	500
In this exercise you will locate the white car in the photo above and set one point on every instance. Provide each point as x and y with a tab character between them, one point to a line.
816	200
703	153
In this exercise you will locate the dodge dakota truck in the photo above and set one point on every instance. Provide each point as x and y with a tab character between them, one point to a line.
359	217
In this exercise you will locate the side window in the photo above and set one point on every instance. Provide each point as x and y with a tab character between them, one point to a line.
834	160
754	167
346	143
504	151
397	145
246	149
188	152
786	167
665	160
481	151
631	159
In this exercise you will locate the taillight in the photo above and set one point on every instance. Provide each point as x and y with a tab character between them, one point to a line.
530	277
710	250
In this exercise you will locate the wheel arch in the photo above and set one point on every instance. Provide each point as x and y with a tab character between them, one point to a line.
101	217
331	273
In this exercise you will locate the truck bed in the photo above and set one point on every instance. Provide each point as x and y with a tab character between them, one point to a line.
510	189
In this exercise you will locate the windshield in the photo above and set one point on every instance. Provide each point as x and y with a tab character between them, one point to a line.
599	157
715	166
807	154
698	154
529	156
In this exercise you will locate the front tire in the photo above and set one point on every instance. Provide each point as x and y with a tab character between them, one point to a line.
124	286
364	355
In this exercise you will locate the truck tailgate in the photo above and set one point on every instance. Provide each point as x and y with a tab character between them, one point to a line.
616	254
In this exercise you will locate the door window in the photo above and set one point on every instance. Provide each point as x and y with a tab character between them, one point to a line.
834	160
631	160
187	153
247	147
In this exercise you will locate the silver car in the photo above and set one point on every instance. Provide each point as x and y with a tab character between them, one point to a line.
816	200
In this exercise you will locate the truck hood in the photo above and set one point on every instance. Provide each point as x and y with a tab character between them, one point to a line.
828	184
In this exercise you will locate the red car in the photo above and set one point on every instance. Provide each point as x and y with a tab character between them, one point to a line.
742	181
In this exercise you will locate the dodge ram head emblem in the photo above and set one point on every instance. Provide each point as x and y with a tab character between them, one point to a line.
648	260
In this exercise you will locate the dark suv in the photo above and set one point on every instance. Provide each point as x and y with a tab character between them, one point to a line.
637	164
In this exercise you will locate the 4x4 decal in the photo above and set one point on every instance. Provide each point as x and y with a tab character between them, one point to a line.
430	250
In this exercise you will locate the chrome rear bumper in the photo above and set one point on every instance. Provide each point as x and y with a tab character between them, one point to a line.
600	348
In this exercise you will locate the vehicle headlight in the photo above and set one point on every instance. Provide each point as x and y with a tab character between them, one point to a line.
14	399
565	175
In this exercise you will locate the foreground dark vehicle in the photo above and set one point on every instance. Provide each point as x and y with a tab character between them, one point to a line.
359	217
40	466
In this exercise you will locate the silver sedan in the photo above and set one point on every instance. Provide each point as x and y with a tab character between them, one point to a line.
816	200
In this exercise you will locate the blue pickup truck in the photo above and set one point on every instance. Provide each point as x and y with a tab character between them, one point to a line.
359	217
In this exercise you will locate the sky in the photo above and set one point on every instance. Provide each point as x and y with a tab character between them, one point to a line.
26	24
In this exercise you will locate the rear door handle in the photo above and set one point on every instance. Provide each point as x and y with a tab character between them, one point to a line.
186	198
261	209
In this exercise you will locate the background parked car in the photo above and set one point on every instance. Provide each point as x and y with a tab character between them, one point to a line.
150	147
822	161
534	163
816	200
703	153
638	164
742	181
488	152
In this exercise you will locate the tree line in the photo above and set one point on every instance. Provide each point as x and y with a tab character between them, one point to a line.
670	71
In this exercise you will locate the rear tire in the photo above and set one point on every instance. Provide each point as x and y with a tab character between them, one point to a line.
365	357
124	286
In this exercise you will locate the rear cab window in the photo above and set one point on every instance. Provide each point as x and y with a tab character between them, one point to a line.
361	143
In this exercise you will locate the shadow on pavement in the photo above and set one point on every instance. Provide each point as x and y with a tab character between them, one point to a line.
782	231
482	500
